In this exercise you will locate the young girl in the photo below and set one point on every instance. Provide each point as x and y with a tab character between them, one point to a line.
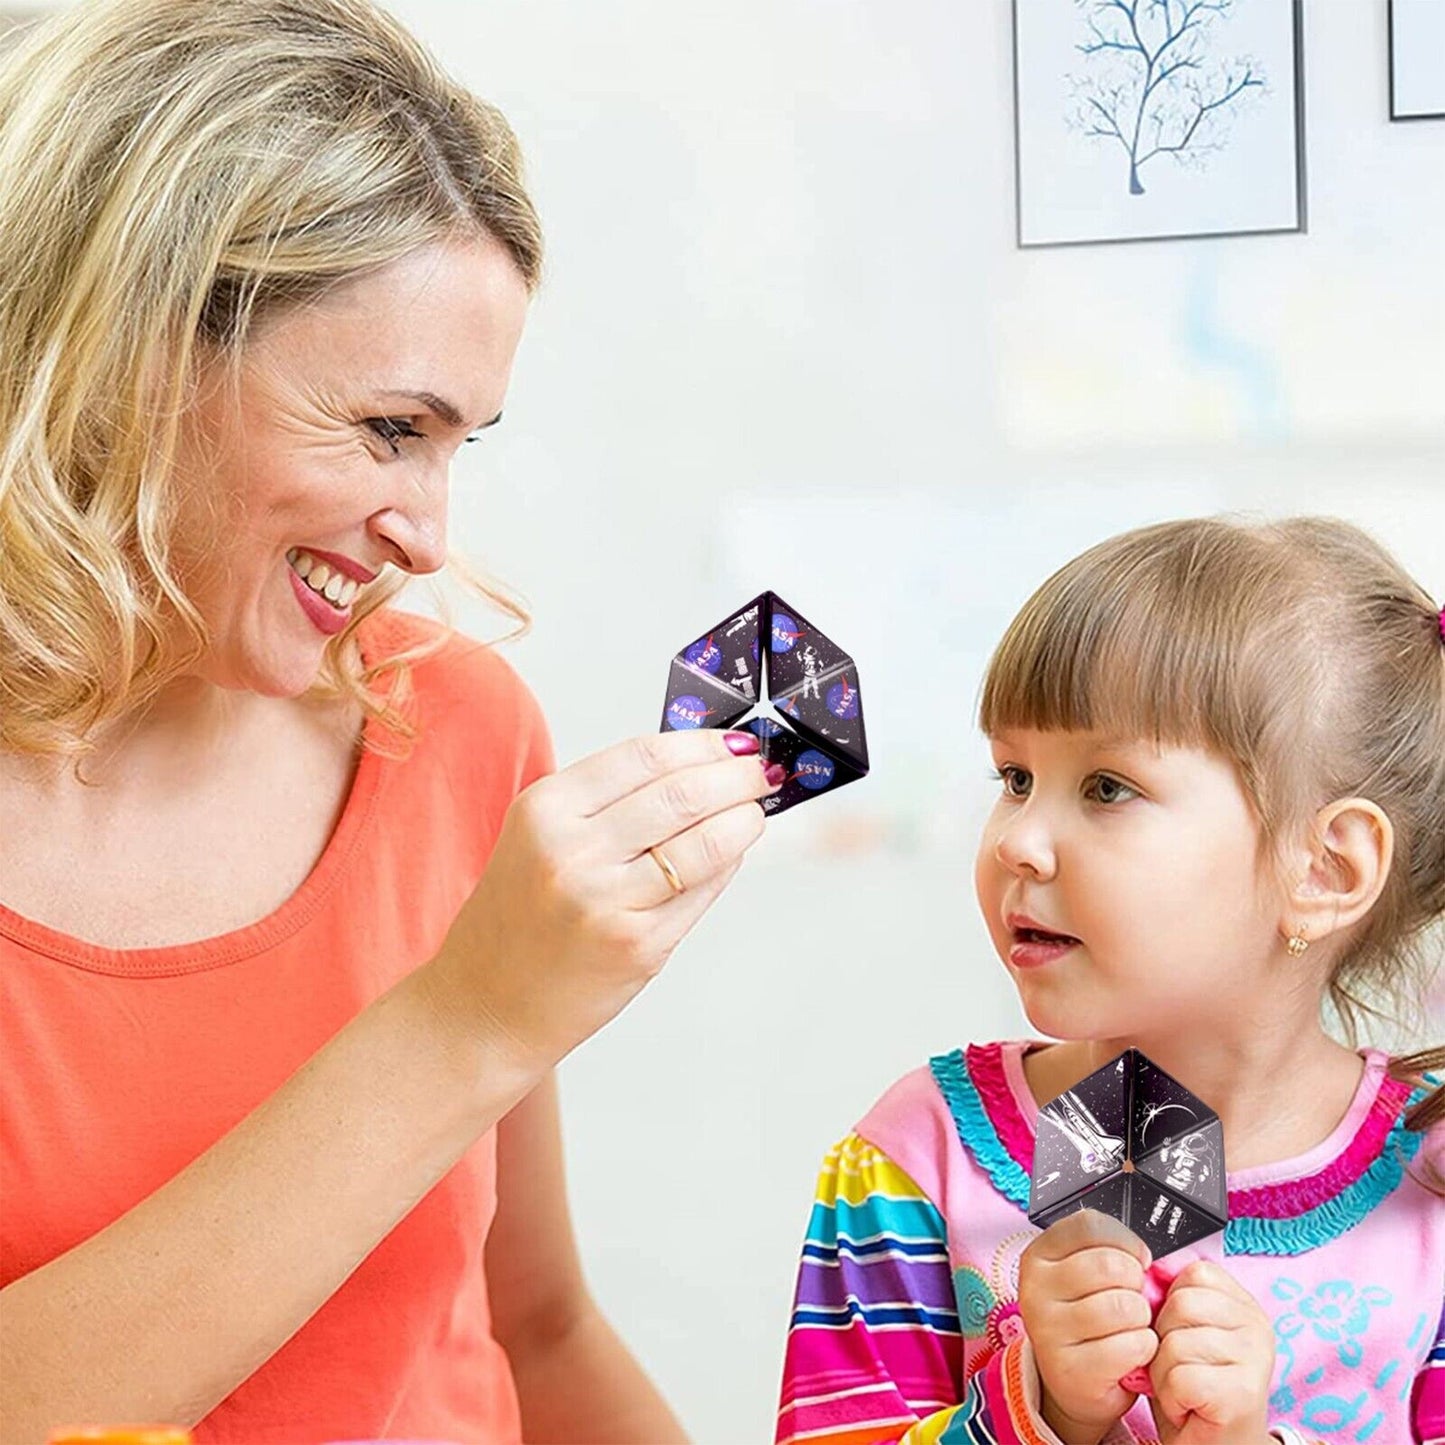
1221	762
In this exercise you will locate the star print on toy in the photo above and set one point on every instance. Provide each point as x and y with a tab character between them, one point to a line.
810	681
1152	1113
1113	1143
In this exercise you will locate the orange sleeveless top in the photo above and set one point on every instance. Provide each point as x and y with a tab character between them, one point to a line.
122	1065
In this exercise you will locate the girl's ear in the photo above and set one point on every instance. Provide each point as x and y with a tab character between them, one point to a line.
1345	865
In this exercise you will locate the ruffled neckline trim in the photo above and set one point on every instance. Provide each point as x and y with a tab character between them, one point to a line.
1287	1207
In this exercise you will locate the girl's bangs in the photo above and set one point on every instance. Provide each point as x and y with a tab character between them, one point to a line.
1089	653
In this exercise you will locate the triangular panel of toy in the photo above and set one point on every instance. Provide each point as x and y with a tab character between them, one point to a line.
1162	1221
810	770
812	681
1108	1196
1191	1165
1160	1106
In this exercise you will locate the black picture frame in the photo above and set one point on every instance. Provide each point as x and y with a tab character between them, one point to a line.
1391	34
1301	189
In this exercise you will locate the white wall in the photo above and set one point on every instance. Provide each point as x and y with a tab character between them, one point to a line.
787	341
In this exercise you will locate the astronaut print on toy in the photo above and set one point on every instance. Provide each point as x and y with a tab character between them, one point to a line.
812	670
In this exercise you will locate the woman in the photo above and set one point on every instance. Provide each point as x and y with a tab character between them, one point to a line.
286	967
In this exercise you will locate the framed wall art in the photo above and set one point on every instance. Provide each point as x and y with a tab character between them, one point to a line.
1417	59
1153	119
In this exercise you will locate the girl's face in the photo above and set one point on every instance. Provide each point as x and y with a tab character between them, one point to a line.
1122	885
334	452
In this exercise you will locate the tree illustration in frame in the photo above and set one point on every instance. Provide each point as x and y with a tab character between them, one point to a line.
1139	120
1153	84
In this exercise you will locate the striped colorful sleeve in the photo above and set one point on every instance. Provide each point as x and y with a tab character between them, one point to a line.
1428	1397
875	1348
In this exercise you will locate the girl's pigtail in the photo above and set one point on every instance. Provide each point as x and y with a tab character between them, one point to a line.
1426	1117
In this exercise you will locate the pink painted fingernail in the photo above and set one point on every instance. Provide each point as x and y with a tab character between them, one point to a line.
776	774
741	744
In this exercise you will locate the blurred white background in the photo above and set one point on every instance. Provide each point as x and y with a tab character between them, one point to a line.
787	340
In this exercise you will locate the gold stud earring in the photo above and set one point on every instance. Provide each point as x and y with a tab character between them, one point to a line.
1297	943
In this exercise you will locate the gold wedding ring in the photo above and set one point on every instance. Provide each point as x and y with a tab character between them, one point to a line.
674	879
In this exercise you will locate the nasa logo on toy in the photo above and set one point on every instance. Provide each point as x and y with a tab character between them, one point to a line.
687	712
705	655
765	727
814	770
786	632
842	700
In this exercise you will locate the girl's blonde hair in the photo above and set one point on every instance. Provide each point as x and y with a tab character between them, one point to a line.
1428	1116
1299	650
172	172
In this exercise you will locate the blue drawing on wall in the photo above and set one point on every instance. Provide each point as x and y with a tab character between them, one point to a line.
1156	83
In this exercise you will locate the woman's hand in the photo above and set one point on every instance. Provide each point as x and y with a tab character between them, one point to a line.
1216	1359
573	916
1081	1298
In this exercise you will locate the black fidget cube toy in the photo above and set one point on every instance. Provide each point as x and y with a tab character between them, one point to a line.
769	648
1133	1142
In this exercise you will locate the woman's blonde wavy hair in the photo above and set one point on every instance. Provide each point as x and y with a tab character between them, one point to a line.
172	172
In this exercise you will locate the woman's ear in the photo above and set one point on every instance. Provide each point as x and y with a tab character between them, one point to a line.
1344	868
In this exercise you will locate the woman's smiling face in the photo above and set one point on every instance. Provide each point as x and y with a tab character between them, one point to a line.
332	450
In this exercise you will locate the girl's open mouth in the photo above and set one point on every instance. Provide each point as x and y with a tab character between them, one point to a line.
1033	947
1039	935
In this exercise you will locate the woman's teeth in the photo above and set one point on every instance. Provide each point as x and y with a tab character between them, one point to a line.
339	591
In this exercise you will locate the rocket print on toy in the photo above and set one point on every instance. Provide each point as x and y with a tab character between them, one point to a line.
1135	1143
770	649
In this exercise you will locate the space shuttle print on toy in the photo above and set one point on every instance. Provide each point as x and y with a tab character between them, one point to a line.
1133	1142
769	649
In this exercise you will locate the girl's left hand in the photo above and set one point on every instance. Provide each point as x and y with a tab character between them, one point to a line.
1212	1371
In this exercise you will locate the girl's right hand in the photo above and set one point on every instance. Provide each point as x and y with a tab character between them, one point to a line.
1083	1307
572	916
